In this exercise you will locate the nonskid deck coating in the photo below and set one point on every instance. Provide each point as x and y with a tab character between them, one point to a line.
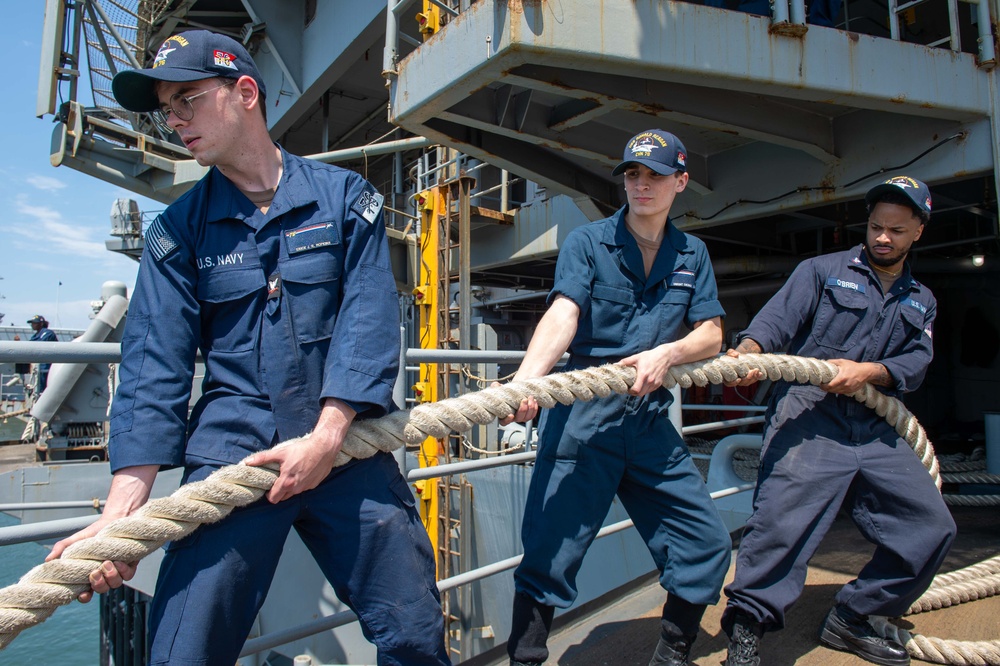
625	633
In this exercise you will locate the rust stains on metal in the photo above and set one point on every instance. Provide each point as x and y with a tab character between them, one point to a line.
786	29
898	99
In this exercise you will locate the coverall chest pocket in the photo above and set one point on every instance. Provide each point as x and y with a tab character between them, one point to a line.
311	285
228	318
610	311
840	318
674	305
908	327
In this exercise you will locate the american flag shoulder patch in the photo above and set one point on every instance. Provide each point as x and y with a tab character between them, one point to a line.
158	241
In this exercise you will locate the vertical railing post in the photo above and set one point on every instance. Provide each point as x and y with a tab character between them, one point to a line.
797	11
956	38
779	12
987	48
391	51
893	20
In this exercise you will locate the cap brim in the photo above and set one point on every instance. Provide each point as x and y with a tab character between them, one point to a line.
135	89
883	188
658	167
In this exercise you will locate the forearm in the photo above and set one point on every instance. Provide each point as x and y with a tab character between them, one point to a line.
334	421
130	489
551	339
704	341
879	375
749	346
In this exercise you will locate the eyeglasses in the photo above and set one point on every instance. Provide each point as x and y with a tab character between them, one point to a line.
180	105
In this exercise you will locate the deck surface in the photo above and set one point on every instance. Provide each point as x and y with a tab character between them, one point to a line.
625	633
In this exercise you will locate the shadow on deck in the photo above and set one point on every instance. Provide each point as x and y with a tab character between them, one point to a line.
625	632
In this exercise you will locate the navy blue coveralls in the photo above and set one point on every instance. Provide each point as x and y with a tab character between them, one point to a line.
624	445
43	335
822	450
288	308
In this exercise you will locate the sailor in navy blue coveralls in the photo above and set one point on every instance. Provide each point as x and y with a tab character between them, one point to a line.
291	303
823	449
42	334
622	445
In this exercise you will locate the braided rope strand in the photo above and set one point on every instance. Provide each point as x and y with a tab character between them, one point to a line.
35	597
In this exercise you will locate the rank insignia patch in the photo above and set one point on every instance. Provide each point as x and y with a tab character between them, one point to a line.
369	204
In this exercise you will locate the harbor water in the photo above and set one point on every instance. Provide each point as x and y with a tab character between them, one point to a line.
69	637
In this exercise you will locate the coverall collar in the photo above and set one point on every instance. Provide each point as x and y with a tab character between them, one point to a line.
858	260
618	235
228	204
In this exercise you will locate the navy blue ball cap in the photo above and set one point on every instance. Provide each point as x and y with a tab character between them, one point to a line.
916	190
37	319
189	56
660	151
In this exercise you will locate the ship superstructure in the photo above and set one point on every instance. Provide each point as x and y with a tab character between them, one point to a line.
491	127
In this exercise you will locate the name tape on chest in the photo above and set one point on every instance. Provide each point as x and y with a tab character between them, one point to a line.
845	284
916	305
158	241
311	237
368	204
682	278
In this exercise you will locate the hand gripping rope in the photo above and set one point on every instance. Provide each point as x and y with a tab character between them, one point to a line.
39	592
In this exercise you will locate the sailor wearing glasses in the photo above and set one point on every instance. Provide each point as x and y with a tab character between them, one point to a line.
275	268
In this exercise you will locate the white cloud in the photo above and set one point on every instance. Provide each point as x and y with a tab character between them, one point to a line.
61	236
45	183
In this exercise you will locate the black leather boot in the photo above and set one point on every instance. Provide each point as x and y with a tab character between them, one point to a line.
744	642
846	630
672	650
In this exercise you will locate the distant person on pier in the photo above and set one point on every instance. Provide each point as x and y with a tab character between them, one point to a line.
624	289
863	311
276	269
41	334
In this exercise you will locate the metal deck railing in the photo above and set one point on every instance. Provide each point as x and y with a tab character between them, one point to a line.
70	352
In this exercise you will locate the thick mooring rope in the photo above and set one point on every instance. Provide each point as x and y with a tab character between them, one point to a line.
40	591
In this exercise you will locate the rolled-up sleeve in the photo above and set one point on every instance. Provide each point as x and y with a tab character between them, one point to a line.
363	358
705	299
149	415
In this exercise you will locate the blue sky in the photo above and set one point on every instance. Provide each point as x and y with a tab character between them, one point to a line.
55	219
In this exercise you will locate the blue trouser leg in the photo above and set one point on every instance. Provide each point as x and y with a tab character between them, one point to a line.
213	582
803	481
574	481
385	569
361	526
801	485
673	512
897	507
589	452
